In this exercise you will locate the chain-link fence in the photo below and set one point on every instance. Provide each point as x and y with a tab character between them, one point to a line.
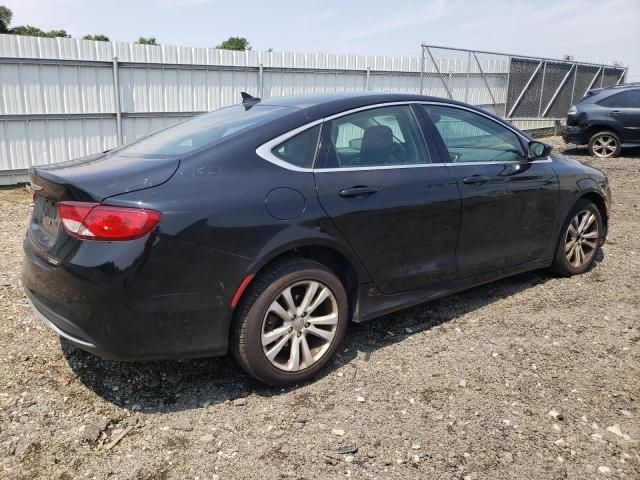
515	87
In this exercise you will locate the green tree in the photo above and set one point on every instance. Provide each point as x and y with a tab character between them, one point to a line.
31	31
235	43
6	15
5	19
97	38
147	41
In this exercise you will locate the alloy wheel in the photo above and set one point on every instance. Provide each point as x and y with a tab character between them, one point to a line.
605	146
581	241
299	326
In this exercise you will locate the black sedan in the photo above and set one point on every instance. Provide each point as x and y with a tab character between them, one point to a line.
263	228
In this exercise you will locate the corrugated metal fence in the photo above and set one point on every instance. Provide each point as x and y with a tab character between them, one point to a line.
63	98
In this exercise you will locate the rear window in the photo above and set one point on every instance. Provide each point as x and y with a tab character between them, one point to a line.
204	130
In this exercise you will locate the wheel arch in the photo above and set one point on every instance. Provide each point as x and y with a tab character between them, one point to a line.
599	200
343	264
588	192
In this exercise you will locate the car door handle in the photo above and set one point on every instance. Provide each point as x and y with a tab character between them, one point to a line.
615	112
359	191
475	180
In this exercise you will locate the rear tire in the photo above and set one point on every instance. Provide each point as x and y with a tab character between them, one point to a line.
605	145
580	238
290	322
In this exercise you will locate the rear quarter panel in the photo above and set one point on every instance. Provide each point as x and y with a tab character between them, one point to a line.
218	200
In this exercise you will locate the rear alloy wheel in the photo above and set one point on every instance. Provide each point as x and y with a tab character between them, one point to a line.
579	241
604	145
300	326
290	322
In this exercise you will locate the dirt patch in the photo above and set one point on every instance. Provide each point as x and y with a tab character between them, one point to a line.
530	377
21	195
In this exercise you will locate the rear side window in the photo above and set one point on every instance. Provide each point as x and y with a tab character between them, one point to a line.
204	130
619	100
301	149
634	98
385	136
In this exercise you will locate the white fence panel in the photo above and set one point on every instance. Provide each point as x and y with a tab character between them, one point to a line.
58	95
59	98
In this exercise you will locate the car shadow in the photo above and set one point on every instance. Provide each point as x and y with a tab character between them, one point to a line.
169	386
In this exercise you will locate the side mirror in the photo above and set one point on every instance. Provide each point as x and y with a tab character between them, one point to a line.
537	150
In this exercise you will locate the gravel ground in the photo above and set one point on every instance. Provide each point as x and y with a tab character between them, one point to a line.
530	377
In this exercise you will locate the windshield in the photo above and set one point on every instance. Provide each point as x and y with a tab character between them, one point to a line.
203	130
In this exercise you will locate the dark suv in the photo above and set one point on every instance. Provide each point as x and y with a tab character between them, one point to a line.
606	119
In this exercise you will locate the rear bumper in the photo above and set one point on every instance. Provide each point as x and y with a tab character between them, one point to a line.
62	326
575	134
155	298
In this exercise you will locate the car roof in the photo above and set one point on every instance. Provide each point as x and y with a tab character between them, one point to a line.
318	106
613	89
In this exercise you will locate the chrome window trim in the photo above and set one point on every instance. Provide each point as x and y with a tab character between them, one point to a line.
427	165
265	150
508	162
378	167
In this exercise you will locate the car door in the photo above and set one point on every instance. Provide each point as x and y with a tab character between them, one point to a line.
399	211
509	203
625	111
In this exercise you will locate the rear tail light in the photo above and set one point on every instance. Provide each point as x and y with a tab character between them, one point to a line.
92	221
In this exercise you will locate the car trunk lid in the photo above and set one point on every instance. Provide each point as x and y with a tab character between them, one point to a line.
90	179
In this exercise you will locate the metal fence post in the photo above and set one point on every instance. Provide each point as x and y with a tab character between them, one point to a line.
422	72
466	87
573	88
544	72
261	80
506	93
116	97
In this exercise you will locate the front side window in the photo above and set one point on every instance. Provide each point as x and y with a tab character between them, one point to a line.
300	149
471	137
385	136
203	130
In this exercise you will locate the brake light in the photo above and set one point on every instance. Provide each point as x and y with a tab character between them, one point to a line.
92	221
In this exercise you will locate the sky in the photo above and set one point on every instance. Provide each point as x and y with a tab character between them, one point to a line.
600	31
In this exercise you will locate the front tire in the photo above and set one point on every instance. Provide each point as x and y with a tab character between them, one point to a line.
290	322
605	145
579	240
